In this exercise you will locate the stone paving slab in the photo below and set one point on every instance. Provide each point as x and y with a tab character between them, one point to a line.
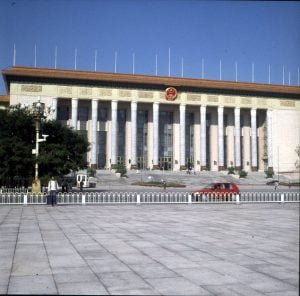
248	249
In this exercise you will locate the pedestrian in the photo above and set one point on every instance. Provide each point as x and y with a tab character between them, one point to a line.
164	185
52	189
81	185
64	186
276	185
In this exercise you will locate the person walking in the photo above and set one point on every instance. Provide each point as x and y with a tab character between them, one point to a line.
52	189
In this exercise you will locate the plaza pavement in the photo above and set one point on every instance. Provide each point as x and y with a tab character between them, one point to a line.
216	249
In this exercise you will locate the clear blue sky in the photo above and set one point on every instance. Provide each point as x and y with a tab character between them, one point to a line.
255	32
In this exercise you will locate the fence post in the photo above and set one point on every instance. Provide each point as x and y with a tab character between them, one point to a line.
282	198
83	199
25	199
138	200
189	199
237	199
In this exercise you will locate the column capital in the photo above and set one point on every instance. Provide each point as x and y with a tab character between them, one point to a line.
203	108
253	111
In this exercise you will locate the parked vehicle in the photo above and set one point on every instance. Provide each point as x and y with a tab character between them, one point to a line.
85	181
219	190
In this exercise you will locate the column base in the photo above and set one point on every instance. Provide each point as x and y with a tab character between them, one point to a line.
155	167
254	169
182	168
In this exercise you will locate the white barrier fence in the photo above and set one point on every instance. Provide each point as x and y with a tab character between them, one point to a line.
82	198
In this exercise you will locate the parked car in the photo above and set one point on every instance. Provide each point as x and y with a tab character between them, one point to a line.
219	190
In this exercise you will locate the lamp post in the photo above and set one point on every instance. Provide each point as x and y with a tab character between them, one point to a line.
39	112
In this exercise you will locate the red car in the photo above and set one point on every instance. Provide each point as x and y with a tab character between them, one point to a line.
220	190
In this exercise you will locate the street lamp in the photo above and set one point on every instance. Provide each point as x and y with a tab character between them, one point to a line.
39	112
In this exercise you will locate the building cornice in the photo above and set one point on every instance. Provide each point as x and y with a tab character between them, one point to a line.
184	84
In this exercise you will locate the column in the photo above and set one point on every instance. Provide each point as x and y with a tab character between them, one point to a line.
155	134
74	114
220	138
253	140
182	137
237	138
133	133
54	108
203	137
114	108
269	139
94	134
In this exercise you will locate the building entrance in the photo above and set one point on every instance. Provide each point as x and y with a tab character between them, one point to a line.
165	160
165	163
102	149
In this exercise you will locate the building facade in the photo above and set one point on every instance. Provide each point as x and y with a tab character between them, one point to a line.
171	123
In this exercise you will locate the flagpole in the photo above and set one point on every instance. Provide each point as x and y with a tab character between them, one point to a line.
14	55
181	67
236	72
252	72
96	53
220	70
75	61
35	55
202	70
133	63
283	75
116	60
156	65
55	57
269	80
169	61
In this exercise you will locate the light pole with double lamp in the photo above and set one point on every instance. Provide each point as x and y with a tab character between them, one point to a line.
39	112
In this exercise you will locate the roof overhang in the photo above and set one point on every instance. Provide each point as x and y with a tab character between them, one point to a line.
36	75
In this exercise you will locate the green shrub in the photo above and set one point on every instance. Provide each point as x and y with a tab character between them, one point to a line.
269	173
243	174
230	170
121	170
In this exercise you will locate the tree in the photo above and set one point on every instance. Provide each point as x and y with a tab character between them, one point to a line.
64	150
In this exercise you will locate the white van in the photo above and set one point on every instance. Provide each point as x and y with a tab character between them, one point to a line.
84	179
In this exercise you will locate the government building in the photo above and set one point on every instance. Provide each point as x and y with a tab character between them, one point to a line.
153	122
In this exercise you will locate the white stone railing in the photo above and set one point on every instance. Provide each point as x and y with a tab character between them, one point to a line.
83	198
